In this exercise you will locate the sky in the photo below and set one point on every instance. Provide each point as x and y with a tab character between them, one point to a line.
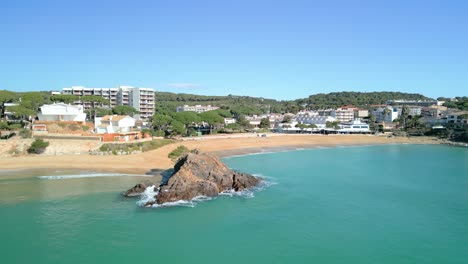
274	49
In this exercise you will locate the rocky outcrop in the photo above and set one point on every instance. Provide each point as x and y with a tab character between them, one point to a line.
136	190
200	174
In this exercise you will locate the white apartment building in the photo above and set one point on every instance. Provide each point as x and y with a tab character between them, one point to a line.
142	99
196	108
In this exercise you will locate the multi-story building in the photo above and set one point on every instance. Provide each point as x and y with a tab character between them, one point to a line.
142	99
344	114
196	108
385	113
412	102
413	110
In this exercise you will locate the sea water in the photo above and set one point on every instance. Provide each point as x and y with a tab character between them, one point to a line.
376	204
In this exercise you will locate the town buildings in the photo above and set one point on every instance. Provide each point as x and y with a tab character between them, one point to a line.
196	108
142	99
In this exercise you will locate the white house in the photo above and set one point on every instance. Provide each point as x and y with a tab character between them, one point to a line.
229	120
61	112
356	126
114	124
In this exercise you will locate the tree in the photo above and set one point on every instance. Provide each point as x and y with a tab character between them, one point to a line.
161	122
124	110
94	100
101	111
265	123
404	116
177	128
243	122
302	126
334	125
64	98
20	111
212	118
286	119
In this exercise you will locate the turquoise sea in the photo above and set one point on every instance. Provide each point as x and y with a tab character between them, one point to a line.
369	204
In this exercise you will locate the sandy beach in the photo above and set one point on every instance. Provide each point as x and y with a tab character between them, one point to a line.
219	145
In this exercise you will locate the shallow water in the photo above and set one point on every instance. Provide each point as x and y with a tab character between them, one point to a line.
379	204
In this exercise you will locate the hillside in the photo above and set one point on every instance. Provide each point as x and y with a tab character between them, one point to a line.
359	99
167	102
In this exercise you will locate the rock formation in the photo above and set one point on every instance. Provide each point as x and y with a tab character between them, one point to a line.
198	174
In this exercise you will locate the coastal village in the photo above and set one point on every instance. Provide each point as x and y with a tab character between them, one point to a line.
129	114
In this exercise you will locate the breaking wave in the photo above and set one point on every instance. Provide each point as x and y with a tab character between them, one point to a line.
91	175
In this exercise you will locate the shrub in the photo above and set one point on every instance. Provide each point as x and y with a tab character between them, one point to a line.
104	148
25	133
15	126
179	151
74	127
38	146
159	133
85	128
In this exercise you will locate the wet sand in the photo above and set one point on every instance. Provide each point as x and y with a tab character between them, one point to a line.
222	146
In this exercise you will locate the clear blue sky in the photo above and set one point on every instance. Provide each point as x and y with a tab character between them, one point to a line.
275	49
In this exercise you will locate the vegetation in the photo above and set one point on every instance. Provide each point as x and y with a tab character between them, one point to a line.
461	103
124	110
38	146
178	152
358	99
139	146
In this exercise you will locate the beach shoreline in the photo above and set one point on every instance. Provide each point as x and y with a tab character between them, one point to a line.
155	160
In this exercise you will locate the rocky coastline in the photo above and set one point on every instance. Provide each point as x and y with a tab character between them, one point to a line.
196	174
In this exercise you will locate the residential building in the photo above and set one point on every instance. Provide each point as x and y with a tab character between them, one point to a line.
385	113
8	114
457	117
361	113
433	111
61	112
196	108
413	110
142	99
229	120
355	126
344	114
412	102
114	124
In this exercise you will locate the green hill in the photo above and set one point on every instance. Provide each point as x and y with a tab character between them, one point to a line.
359	99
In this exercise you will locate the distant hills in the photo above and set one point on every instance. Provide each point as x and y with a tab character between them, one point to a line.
256	105
359	99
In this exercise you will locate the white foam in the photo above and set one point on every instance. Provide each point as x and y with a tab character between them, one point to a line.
90	175
148	195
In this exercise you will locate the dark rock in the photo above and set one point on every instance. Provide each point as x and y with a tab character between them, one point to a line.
135	190
199	174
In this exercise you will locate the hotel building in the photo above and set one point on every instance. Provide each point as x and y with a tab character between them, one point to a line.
142	99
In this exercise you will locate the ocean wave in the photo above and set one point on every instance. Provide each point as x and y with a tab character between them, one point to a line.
90	175
148	195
